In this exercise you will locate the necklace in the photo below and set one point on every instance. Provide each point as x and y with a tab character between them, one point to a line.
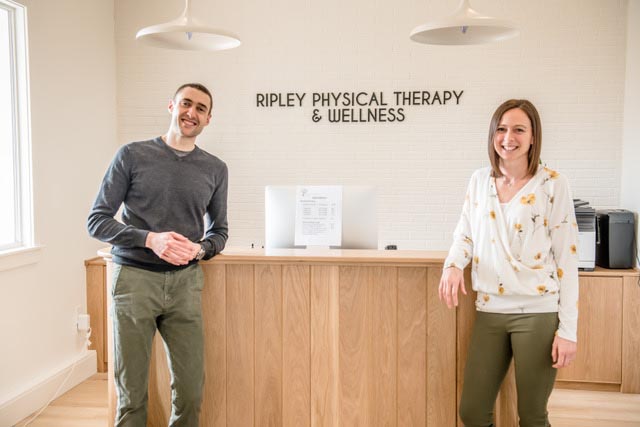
513	182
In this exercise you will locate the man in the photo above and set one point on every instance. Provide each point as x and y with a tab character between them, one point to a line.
169	186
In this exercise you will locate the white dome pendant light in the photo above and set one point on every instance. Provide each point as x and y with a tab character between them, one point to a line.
465	26
187	33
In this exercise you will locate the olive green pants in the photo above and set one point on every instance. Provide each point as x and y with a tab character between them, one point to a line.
495	340
170	302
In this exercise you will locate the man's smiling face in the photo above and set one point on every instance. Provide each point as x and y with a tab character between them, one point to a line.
190	112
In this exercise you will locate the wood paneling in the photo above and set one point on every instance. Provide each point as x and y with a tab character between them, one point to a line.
577	385
599	332
296	349
302	343
441	344
383	288
96	307
325	300
412	346
368	346
354	344
240	345
214	315
363	340
631	335
268	327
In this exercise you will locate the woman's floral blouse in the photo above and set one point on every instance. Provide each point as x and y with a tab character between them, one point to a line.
524	252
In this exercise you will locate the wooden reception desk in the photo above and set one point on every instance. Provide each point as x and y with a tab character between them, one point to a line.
334	338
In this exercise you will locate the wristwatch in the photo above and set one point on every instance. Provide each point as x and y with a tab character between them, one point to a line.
200	253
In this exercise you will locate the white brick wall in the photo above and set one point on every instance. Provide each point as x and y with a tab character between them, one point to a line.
569	60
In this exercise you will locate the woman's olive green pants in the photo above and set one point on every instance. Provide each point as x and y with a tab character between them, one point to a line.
495	340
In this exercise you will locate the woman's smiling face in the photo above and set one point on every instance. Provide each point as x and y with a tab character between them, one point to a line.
513	136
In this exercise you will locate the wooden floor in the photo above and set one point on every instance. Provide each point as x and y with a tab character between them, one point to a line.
86	406
83	406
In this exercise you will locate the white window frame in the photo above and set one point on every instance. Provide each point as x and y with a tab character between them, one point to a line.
23	250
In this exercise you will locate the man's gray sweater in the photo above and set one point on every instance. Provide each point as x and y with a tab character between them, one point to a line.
161	191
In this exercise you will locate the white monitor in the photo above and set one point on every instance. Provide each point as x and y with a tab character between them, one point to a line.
359	217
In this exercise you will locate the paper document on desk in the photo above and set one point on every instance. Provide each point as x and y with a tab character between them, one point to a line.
318	215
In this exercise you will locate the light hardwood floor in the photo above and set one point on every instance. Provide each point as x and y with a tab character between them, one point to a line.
83	406
86	406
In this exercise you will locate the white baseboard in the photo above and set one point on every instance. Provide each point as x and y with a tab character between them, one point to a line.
30	401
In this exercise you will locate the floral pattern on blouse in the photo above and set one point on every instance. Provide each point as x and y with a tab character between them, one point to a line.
528	247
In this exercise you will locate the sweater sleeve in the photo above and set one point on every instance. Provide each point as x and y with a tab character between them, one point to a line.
217	229
101	223
564	246
462	246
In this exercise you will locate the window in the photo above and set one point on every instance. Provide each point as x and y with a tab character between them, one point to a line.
16	229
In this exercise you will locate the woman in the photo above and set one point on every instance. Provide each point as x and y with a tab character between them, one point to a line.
518	230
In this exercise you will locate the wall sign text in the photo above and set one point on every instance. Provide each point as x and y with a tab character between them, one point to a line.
358	107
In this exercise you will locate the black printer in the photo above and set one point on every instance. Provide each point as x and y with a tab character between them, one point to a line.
615	238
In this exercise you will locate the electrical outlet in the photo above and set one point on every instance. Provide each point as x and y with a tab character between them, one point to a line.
81	320
84	322
76	313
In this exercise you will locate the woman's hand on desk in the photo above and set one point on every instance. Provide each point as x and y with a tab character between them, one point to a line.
452	279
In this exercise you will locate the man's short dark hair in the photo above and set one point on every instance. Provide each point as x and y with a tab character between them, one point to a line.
197	86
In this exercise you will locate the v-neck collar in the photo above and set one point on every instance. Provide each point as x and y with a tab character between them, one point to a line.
500	220
494	189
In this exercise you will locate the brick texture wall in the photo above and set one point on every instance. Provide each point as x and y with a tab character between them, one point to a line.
569	60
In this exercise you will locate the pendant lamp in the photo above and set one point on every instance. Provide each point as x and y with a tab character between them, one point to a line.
187	33
465	26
